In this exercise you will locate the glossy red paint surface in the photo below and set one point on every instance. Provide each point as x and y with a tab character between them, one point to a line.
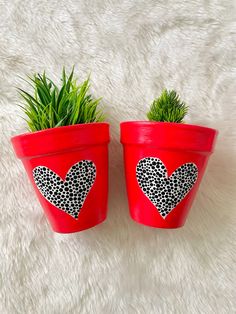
174	144
59	149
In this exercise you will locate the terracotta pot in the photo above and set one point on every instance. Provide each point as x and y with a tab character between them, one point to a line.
164	165
68	167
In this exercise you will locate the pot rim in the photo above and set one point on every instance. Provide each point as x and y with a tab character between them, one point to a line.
60	139
58	129
168	135
150	123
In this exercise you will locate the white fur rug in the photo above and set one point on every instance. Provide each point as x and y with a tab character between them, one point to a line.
134	49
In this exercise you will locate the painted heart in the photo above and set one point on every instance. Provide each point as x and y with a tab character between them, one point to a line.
68	195
165	192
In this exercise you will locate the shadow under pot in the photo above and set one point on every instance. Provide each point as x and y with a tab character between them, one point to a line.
164	165
68	168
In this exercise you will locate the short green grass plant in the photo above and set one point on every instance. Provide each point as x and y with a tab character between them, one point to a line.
168	108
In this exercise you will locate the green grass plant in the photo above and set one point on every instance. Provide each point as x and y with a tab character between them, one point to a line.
51	106
168	108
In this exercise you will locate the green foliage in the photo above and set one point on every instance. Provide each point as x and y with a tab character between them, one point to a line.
168	108
51	106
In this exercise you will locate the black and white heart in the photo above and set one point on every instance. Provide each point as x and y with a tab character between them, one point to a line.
68	195
165	192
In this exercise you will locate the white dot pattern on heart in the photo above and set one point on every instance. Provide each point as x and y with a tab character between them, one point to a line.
68	195
165	193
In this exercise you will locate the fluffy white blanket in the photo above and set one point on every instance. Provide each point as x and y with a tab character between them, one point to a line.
134	49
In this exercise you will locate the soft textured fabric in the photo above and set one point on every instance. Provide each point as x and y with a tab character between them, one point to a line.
133	50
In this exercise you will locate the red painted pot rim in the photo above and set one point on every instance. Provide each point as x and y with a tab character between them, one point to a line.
168	135
59	139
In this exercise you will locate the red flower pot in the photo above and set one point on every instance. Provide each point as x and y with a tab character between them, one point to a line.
164	165
68	167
